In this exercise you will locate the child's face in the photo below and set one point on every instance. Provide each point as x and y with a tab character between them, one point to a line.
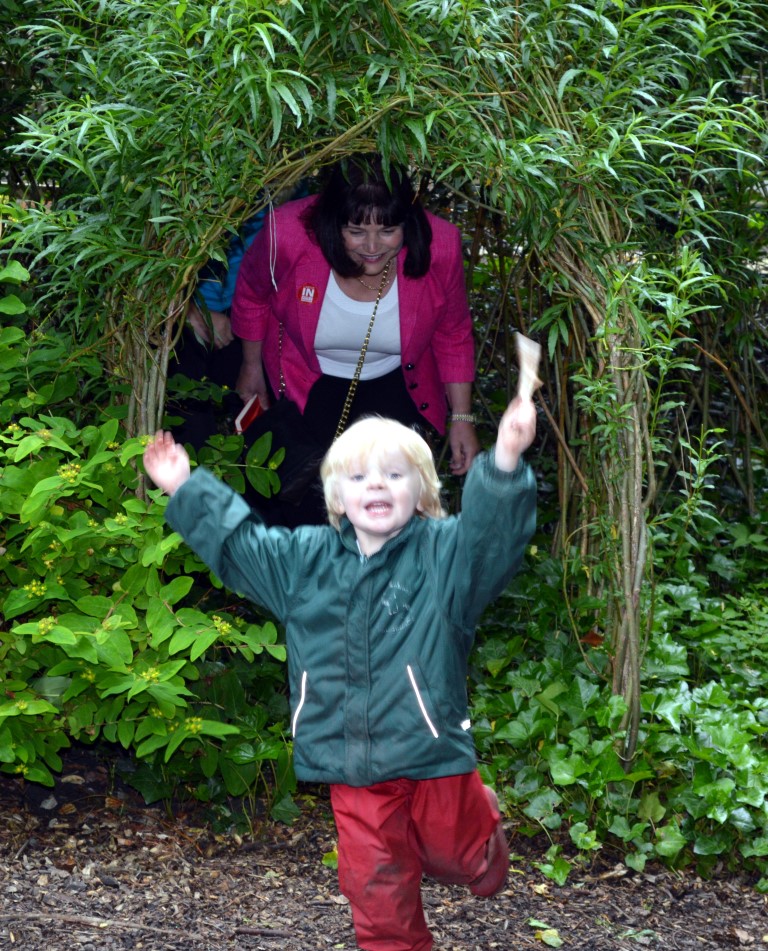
379	495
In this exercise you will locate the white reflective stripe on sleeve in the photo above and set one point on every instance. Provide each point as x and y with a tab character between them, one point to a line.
301	702
424	713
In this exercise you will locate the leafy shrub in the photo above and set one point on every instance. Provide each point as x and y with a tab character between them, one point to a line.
111	628
546	720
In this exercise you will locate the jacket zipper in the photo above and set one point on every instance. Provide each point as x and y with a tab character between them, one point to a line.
423	709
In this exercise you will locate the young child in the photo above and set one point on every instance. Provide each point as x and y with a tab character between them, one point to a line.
379	610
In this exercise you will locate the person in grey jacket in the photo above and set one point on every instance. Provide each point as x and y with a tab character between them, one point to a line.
380	609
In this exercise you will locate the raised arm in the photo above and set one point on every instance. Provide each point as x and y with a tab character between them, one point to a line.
518	424
516	431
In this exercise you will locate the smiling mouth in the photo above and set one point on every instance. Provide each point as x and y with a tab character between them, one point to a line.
378	508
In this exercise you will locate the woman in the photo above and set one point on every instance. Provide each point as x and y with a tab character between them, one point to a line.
306	291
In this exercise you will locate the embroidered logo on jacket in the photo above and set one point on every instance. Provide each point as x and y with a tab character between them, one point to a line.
397	601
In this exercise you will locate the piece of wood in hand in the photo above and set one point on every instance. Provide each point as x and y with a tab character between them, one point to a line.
528	356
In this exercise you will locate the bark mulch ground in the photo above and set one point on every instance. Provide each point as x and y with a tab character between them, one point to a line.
88	867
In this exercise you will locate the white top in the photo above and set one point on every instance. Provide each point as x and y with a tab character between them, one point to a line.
342	328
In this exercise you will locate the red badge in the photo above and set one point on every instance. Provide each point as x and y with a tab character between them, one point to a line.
307	293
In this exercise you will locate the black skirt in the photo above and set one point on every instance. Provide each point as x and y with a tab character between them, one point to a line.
384	396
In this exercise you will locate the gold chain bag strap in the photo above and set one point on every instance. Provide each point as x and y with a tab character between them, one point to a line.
283	419
361	360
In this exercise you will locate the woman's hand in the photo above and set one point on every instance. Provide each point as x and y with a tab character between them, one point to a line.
462	437
464	446
218	331
251	380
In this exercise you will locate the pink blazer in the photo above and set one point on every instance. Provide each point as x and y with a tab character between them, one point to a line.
435	322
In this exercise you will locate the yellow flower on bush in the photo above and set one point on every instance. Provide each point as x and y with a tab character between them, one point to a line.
46	624
35	589
193	724
69	472
222	626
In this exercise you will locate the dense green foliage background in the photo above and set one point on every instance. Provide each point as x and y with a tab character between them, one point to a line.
606	164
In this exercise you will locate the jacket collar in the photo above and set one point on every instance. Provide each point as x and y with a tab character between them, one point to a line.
349	538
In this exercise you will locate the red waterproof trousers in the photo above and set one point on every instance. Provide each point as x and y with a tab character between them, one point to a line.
392	833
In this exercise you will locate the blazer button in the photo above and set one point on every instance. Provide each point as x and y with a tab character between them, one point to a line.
413	386
424	406
409	366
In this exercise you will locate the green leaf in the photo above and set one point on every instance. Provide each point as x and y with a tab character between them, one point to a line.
331	859
59	635
669	840
96	606
175	740
182	639
151	745
285	810
550	937
566	769
39	773
160	621
565	80
214	728
150	726
14	273
237	778
204	640
650	808
11	304
114	648
23	707
583	837
125	732
557	870
177	589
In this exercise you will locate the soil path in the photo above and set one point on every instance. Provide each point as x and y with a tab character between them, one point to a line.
85	867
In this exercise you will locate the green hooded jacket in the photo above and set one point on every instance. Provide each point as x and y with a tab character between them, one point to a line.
377	647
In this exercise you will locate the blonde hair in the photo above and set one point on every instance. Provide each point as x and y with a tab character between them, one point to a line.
370	437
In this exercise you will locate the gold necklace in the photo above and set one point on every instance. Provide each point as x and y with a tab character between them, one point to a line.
375	287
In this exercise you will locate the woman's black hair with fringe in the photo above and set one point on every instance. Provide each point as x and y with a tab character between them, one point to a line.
359	191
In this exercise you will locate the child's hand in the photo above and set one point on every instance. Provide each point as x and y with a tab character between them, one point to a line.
166	462
516	431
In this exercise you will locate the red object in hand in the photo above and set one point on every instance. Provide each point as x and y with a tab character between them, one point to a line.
247	414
